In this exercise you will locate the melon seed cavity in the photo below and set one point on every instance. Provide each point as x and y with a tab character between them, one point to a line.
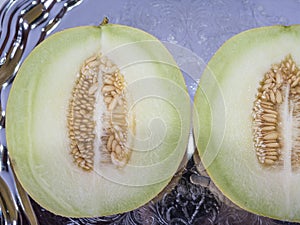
99	85
276	116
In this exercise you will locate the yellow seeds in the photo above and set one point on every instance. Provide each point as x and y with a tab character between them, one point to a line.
272	97
269	80
90	59
109	142
283	78
271	157
270	119
93	89
269	111
271	136
268	128
278	77
268	150
93	63
79	131
114	98
108	81
108	88
80	119
271	153
271	115
296	82
269	161
108	99
113	103
273	145
278	97
266	103
267	86
118	150
114	144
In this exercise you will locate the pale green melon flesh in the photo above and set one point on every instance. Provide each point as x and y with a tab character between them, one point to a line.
223	122
37	133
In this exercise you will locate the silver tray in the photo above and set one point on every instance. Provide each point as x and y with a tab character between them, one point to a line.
193	30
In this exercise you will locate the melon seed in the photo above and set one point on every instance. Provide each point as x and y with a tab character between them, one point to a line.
266	111
82	131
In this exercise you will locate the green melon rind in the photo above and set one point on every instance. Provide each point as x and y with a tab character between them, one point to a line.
222	122
26	97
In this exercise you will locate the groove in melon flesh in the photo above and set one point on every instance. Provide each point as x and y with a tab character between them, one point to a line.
246	120
75	171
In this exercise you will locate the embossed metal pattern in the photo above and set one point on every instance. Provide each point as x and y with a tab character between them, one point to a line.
193	30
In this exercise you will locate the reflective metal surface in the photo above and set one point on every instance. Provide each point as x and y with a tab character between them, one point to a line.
192	30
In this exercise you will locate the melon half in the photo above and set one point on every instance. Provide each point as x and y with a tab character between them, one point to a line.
97	120
246	120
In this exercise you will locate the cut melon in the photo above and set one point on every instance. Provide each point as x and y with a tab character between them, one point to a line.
246	121
97	120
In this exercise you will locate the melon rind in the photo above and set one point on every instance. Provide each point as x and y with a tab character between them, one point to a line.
223	122
36	122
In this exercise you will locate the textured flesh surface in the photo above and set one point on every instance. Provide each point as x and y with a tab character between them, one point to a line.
223	122
37	133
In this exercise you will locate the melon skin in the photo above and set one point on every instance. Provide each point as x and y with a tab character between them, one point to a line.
36	130
223	123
